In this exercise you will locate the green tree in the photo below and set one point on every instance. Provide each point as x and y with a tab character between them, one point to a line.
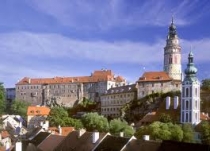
59	116
205	84
76	123
85	106
165	118
161	131
176	132
143	130
2	99
205	132
117	126
188	133
93	121
19	108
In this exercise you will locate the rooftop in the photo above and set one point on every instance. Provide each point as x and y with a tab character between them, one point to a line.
98	75
154	76
38	110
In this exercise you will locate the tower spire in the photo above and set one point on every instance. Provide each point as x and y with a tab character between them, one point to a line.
190	106
172	19
172	53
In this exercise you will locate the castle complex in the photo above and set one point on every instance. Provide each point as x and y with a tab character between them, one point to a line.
66	91
113	92
170	78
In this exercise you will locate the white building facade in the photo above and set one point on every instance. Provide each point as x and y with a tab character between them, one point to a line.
115	98
190	97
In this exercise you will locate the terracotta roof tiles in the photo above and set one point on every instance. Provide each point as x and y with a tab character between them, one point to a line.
50	143
101	75
38	110
155	76
65	130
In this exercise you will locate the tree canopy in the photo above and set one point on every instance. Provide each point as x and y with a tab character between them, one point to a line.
85	106
188	133
2	99
165	118
59	116
166	131
118	125
205	132
205	84
93	121
19	108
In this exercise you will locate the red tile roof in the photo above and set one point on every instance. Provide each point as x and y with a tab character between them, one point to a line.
65	130
155	76
4	134
204	117
101	75
38	110
50	143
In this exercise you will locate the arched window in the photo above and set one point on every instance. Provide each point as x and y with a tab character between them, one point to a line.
190	91
187	92
196	92
170	60
182	116
176	59
187	105
190	119
186	120
196	116
182	104
196	104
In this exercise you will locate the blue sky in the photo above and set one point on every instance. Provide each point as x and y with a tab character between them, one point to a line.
75	37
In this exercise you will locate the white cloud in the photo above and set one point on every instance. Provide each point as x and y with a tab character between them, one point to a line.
26	45
23	45
21	52
82	14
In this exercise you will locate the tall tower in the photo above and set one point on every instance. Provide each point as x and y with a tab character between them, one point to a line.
172	54
190	99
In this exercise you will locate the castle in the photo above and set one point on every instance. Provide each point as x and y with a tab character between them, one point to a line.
113	92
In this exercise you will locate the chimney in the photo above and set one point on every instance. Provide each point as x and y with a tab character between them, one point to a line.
168	102
7	146
41	124
146	137
60	130
45	125
29	80
95	137
20	124
121	134
18	146
81	132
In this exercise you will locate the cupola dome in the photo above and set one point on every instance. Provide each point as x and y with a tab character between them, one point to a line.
191	70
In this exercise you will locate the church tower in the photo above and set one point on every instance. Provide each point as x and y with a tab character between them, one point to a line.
172	54
190	96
